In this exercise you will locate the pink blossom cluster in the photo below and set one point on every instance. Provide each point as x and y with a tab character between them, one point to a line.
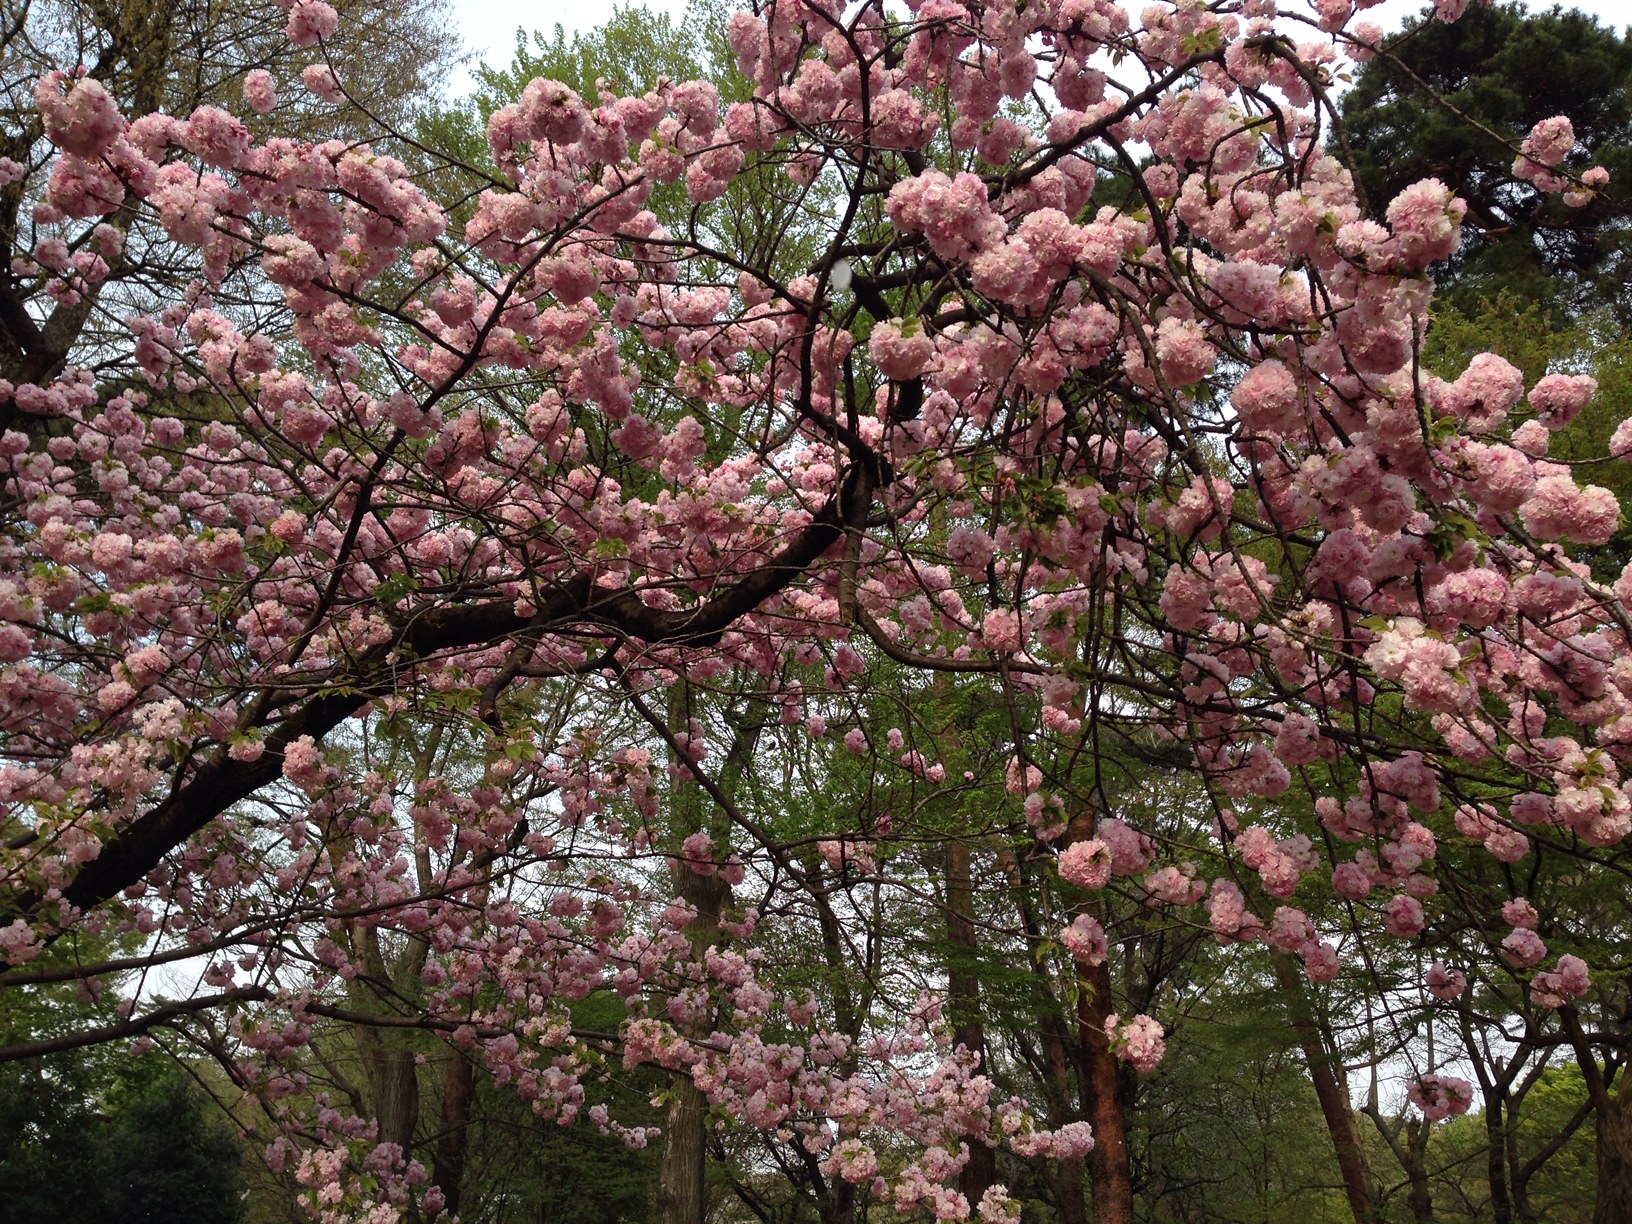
1139	1041
1440	1096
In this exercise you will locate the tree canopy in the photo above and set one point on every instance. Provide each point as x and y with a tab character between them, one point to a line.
818	619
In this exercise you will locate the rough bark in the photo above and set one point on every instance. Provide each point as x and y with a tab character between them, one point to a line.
682	1191
1325	1069
458	1087
1613	1201
387	1054
1066	1177
1419	1199
839	1203
682	1185
1501	1204
1110	1166
1612	1195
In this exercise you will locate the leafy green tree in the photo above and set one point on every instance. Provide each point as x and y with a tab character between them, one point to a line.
84	1141
1452	101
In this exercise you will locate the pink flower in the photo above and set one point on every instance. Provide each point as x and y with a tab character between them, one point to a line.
311	20
1556	987
553	112
1523	948
1559	509
1087	864
1185	353
1227	911
321	80
1267	400
697	853
1001	631
1140	1041
1403	916
1350	880
1085	940
1559	398
1427	221
1319	961
901	348
1445	984
85	121
1544	150
954	214
1487	391
1520	913
260	91
18	943
1290	928
1440	1096
303	763
215	137
1502	476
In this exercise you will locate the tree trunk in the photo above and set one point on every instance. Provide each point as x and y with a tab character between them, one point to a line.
1613	1204
836	1197
682	1181
1110	1165
1419	1198
1501	1206
1326	1071
1612	1197
963	998
387	1055
839	1204
681	1186
1066	1175
393	1080
458	1087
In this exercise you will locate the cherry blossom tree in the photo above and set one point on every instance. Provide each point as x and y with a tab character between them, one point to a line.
1101	396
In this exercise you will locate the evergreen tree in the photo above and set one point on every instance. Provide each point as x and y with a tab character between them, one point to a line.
1453	102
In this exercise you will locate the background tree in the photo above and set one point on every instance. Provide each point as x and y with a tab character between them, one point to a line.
1450	101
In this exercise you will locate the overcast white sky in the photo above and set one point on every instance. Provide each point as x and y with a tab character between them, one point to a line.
488	27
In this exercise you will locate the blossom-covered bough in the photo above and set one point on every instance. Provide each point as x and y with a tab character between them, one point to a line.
341	654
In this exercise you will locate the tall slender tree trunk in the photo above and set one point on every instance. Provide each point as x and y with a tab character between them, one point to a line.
1326	1070
839	1204
837	1197
394	1082
1066	1175
1110	1163
1419	1198
682	1186
1612	1197
458	1088
1501	1205
963	998
387	1055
